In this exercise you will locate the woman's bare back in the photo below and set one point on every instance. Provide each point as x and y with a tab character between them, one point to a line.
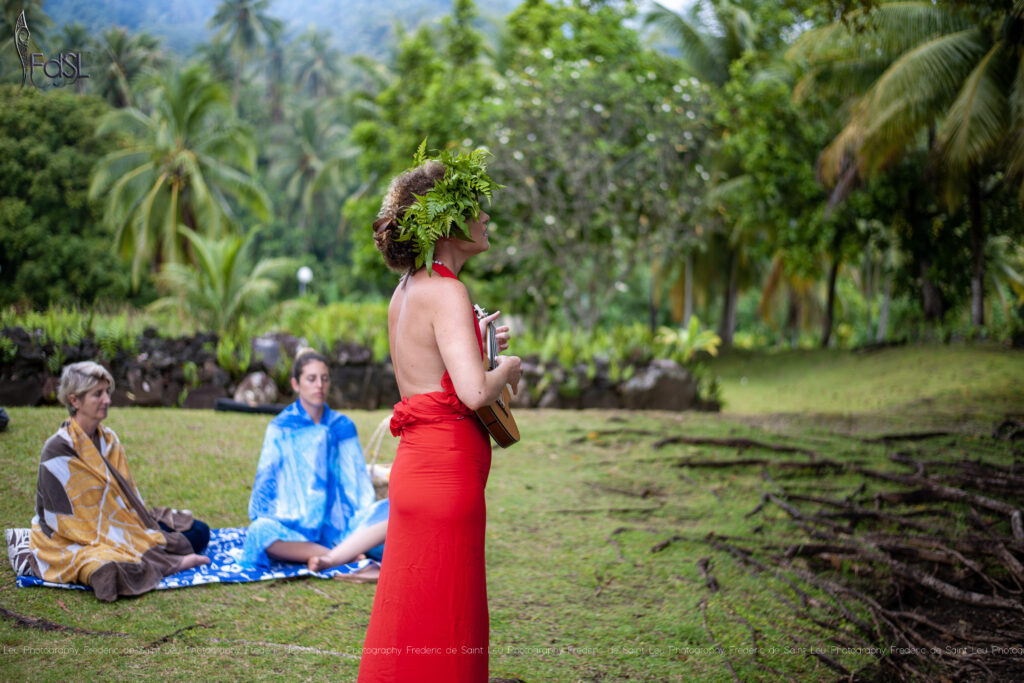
417	304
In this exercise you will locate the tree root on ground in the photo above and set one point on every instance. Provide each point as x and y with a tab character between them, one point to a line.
26	621
926	568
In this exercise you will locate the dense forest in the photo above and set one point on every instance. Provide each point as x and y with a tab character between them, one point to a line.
789	172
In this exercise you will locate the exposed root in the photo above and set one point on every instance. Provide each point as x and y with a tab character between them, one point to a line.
42	624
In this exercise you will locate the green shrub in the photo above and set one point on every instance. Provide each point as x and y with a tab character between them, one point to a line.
323	326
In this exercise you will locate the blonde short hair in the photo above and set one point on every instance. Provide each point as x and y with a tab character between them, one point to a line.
79	378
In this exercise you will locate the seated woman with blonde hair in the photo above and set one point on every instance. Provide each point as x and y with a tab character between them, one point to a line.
91	525
313	500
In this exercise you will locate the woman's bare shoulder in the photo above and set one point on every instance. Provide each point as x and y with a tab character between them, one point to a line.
436	292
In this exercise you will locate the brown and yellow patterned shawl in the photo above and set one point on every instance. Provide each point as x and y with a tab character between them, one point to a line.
91	525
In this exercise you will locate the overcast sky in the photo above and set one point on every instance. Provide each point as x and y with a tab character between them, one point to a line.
676	5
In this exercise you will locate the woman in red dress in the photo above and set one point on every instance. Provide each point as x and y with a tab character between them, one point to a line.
430	620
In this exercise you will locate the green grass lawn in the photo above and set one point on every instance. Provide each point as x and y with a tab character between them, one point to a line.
594	534
921	380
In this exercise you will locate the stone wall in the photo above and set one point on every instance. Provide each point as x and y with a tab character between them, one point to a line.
184	372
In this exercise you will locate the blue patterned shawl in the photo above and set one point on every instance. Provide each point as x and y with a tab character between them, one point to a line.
311	484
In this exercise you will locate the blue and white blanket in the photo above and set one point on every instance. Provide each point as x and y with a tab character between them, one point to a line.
224	551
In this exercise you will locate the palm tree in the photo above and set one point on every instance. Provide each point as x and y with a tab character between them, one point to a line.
277	76
224	285
122	58
939	75
800	297
1006	274
244	24
216	55
309	162
320	65
188	156
76	38
712	35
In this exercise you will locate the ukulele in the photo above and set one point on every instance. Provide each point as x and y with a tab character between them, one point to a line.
497	417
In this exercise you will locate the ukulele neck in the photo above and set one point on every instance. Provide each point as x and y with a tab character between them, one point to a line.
491	341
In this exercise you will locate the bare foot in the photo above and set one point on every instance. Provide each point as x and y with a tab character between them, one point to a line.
321	562
190	561
318	563
367	575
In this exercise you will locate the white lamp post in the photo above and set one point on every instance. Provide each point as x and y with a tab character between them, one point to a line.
305	276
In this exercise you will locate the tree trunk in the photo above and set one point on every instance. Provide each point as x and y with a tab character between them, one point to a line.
652	309
277	113
977	252
826	326
830	306
868	286
932	300
793	318
883	314
688	289
727	325
238	81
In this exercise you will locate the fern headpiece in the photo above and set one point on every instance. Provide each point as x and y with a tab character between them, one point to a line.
452	201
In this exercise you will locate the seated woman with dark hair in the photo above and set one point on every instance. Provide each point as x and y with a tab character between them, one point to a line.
313	500
91	525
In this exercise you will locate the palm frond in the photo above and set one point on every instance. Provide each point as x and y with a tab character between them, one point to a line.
115	169
1015	161
913	92
930	74
896	27
977	121
128	120
243	187
846	77
697	51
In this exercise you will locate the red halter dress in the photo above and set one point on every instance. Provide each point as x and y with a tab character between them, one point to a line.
430	620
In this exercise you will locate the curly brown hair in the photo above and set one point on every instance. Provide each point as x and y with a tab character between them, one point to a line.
400	255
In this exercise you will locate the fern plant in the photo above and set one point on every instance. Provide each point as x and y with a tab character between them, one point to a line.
453	199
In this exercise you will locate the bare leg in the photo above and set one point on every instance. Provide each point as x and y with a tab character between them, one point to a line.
192	560
295	551
351	548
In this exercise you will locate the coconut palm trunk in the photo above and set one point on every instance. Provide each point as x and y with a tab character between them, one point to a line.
977	251
883	313
688	285
833	274
792	326
727	324
932	300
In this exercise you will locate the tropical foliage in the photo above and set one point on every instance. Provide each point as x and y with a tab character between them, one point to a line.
121	58
790	173
54	246
930	69
187	158
244	26
225	285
